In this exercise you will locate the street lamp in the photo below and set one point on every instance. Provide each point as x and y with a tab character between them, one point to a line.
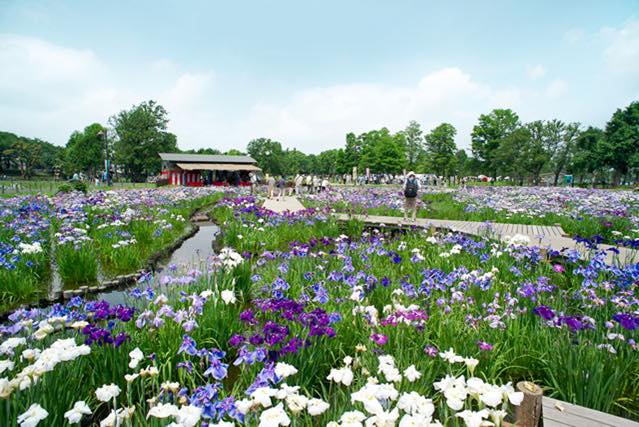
103	134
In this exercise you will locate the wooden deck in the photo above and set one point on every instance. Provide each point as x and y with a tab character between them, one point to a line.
552	237
283	204
556	413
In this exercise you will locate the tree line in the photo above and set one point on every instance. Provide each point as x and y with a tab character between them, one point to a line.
501	145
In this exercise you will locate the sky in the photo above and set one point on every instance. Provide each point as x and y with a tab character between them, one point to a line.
307	72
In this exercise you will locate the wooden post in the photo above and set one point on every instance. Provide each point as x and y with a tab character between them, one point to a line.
528	413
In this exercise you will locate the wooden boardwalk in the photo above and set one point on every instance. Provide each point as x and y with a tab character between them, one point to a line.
545	236
283	204
556	413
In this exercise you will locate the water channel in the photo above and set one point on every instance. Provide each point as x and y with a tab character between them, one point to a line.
192	252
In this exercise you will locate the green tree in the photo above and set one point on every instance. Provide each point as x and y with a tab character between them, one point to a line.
538	150
488	134
563	153
462	163
620	147
294	162
234	152
327	162
414	144
352	152
26	155
382	152
85	150
521	155
209	151
441	149
140	135
268	154
587	157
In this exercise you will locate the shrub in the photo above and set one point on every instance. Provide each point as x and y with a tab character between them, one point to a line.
65	188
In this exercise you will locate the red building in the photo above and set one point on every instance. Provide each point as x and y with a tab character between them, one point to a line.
197	170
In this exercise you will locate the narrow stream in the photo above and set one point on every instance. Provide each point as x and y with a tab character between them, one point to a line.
193	251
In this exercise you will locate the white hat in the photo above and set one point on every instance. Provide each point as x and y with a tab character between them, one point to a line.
411	173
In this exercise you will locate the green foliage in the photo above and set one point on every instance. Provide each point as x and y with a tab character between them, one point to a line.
77	266
85	150
440	149
488	134
620	147
382	152
414	144
140	135
65	188
587	157
79	186
268	154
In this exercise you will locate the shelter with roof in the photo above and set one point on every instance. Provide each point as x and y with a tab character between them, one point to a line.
197	170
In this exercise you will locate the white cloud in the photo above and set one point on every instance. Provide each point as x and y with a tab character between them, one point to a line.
47	91
536	72
318	118
622	53
574	35
556	89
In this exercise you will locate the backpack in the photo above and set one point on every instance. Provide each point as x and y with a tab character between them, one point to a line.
411	188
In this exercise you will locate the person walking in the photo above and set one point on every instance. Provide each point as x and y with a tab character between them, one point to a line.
281	184
253	181
325	184
270	182
411	188
299	179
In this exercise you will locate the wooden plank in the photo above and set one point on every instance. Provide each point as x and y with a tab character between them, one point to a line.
578	416
552	235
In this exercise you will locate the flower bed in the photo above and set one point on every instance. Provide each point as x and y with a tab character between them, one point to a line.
331	329
102	233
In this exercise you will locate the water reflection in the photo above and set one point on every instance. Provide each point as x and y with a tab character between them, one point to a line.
194	251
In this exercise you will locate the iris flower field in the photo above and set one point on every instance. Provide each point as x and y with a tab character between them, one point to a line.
299	320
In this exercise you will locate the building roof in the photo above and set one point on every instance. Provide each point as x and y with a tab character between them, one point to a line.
218	166
205	158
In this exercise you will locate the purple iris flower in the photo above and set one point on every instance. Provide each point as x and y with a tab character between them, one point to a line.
484	346
545	312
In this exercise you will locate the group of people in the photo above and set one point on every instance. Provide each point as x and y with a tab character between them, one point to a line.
279	186
302	184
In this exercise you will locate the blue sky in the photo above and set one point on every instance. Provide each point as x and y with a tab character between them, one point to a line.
306	73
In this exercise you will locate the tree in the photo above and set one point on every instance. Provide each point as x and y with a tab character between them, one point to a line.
488	134
520	155
327	162
382	152
26	154
538	150
234	152
294	162
268	154
462	163
441	148
85	150
587	158
621	142
140	135
561	157
414	144
210	151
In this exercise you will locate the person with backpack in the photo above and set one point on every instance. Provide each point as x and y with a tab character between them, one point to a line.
411	188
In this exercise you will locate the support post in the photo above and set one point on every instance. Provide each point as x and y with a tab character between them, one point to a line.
529	412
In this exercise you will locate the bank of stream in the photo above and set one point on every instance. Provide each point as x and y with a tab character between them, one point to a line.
194	252
193	248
